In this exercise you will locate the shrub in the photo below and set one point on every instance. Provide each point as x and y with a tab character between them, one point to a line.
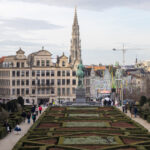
20	100
3	132
148	118
143	100
146	107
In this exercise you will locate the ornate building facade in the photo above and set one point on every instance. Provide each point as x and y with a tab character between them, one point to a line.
37	78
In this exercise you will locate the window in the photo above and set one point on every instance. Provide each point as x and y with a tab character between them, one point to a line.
68	81
68	73
22	91
27	73
33	82
22	82
38	81
18	91
27	82
88	82
52	81
63	73
43	81
73	90
47	62
13	73
38	91
73	73
33	91
58	73
18	82
38	63
38	73
47	82
33	73
52	91
43	91
13	82
58	82
13	91
47	72
43	63
47	91
27	91
63	91
43	73
73	82
22	64
18	65
52	73
18	73
68	91
22	73
63	64
63	81
27	101
58	91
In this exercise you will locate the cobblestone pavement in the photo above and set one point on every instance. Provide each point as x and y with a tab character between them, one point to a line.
138	119
12	138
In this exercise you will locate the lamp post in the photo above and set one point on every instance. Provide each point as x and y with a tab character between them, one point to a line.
36	89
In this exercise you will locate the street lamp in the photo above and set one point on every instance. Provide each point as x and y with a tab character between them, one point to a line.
36	89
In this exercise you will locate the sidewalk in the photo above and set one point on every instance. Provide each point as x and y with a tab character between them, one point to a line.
138	119
11	139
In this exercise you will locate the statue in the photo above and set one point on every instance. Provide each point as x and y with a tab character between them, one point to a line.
80	75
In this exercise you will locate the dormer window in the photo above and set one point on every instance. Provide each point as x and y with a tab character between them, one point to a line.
38	63
63	64
43	63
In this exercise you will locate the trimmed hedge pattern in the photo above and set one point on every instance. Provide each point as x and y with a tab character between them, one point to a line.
50	132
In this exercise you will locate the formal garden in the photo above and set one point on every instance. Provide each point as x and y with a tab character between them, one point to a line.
85	128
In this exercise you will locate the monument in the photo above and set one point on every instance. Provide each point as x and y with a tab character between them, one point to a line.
80	90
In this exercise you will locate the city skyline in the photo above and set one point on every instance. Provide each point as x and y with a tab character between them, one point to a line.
102	27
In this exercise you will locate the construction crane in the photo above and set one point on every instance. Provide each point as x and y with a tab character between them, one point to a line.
123	53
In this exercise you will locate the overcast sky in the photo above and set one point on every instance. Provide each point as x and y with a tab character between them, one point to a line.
104	25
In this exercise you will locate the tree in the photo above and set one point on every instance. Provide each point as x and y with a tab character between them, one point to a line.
143	100
20	100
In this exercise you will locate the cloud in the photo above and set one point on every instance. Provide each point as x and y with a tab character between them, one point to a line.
28	24
97	5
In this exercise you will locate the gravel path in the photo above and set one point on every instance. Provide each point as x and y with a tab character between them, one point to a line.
12	138
138	119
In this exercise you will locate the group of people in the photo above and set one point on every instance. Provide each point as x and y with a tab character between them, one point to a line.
133	110
34	113
107	102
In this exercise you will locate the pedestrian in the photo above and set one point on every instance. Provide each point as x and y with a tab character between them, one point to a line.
36	110
126	108
34	117
24	115
33	109
40	109
135	111
132	111
123	108
17	128
28	117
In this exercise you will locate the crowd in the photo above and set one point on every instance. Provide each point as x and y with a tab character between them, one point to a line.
35	110
133	110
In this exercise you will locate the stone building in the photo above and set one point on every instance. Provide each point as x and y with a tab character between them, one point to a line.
37	78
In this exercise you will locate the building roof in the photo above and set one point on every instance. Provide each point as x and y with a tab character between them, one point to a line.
96	67
2	59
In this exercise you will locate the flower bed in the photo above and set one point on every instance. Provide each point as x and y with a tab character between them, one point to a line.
83	115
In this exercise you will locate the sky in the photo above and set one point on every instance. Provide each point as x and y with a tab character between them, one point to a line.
104	25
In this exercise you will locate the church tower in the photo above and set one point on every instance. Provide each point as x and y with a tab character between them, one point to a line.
75	50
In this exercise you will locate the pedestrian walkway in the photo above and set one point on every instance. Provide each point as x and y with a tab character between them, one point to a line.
11	139
138	119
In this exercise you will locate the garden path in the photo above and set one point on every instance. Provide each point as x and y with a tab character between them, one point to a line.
138	119
12	138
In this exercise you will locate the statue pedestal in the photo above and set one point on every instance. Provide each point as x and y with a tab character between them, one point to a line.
80	95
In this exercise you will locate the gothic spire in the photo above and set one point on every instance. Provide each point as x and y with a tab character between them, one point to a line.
75	18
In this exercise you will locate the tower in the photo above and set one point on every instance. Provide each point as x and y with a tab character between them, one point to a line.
75	49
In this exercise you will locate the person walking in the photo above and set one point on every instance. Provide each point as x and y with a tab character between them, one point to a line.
24	115
40	109
17	128
135	111
33	109
28	117
36	110
34	117
132	111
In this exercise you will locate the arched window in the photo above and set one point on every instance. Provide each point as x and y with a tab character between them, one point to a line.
63	63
